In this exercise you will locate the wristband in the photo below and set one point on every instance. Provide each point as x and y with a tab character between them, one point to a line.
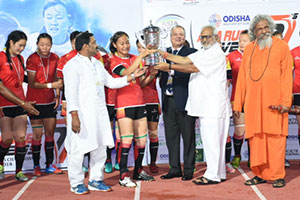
170	67
49	85
132	76
165	55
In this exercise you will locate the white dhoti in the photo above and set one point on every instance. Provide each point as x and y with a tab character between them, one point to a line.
214	133
96	164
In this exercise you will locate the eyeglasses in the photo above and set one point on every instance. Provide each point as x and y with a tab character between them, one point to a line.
207	37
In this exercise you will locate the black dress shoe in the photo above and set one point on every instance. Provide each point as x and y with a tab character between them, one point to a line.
169	176
187	177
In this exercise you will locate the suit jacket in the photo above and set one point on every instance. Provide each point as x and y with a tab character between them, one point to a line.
180	82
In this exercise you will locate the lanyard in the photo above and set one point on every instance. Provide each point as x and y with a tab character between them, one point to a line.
47	68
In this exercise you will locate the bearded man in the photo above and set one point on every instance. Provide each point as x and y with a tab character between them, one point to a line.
265	79
207	99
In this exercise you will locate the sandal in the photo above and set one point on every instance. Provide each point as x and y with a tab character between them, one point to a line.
204	181
279	183
254	181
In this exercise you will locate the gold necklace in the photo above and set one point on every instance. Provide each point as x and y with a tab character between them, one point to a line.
250	62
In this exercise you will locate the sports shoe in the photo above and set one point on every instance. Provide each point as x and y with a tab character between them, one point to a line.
127	182
117	167
287	163
80	189
21	177
236	162
98	186
153	168
52	169
1	172
229	168
143	176
37	171
108	168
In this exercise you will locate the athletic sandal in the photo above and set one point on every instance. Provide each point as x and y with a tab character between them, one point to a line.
254	181
204	181
279	183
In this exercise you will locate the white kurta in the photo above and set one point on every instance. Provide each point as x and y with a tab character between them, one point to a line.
209	100
84	81
208	90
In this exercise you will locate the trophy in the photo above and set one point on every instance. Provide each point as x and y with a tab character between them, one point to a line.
151	40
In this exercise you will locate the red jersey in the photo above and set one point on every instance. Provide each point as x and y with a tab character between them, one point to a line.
235	59
130	95
296	55
65	58
150	92
11	78
45	71
110	94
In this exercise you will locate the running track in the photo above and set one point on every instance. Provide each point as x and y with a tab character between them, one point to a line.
57	187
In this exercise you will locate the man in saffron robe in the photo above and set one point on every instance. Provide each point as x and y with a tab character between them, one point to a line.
265	79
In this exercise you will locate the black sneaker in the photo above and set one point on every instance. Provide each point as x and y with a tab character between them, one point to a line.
143	176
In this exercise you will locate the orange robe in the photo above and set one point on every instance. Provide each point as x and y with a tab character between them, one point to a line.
270	83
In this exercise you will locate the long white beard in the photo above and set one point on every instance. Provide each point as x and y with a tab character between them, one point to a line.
265	43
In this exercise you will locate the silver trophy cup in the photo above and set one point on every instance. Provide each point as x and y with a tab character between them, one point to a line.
152	41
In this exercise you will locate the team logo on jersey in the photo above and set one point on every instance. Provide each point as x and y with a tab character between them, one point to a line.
297	58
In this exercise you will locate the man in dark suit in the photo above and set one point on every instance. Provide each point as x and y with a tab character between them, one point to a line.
174	87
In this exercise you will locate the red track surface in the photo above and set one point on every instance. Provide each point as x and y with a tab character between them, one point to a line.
57	187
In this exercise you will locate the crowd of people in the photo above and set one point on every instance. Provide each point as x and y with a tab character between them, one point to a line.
116	94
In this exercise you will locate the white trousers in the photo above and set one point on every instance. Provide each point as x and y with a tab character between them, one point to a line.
214	133
75	161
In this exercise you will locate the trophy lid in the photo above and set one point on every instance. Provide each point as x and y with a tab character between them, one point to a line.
151	29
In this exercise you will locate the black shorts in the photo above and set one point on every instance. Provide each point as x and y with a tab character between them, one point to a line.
46	111
153	112
132	113
13	112
111	112
296	101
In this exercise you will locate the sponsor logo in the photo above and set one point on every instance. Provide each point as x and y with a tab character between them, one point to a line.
286	24
291	152
293	121
292	137
164	156
190	2
215	20
297	58
236	19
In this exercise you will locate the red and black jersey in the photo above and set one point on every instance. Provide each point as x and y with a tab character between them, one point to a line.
130	95
12	77
63	60
150	92
235	59
296	56
110	94
45	71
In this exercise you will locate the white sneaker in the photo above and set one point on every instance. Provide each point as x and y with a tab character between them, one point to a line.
127	182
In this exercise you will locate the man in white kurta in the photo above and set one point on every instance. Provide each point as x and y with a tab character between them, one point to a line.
88	127
208	99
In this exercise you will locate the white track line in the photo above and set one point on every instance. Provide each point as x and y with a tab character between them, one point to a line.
256	190
19	194
137	190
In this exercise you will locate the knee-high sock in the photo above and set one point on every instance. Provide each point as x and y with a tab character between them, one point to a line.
3	151
153	149
36	151
117	149
237	144
20	152
49	148
138	157
228	150
123	158
108	154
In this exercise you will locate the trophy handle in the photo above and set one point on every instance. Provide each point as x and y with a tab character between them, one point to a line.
138	36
